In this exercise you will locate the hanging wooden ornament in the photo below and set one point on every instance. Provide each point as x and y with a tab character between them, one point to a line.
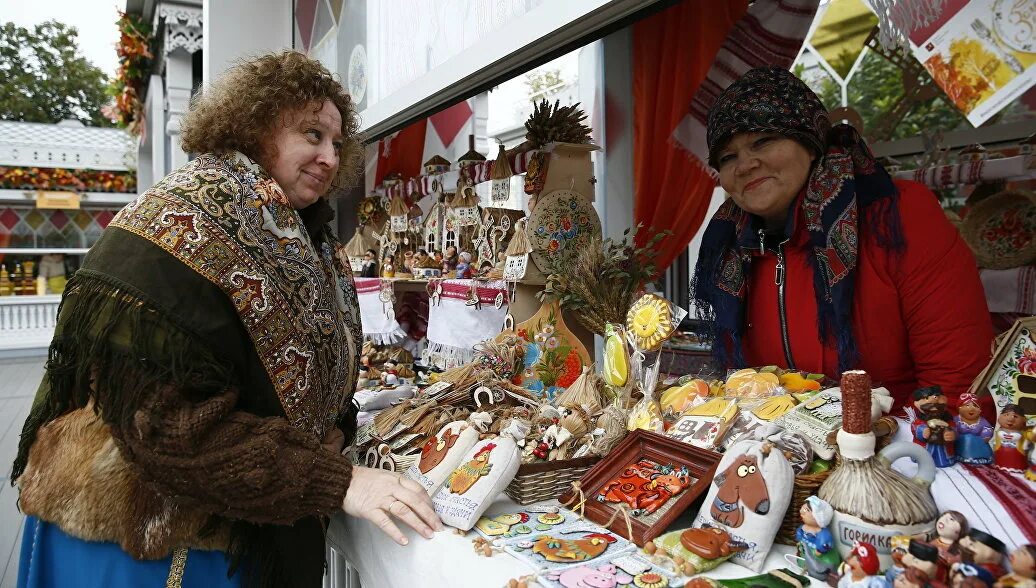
464	205
398	214
517	266
536	172
500	175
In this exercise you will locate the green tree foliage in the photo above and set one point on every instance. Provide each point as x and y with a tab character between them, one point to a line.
875	88
43	78
539	82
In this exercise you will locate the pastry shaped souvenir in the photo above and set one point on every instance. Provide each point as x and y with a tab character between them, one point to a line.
645	486
523	522
568	546
705	425
442	453
483	473
650	322
748	498
695	551
625	571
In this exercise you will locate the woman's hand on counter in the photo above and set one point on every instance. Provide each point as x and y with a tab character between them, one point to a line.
381	496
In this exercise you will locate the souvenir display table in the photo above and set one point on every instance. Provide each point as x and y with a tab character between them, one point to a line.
449	560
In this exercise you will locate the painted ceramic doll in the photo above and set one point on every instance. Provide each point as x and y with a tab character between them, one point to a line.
388	270
1009	441
816	545
949	528
900	544
973	432
861	568
983	550
966	575
1023	569
1030	474
933	428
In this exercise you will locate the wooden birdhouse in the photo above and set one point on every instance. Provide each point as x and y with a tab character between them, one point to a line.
436	165
518	265
464	205
500	178
471	157
432	228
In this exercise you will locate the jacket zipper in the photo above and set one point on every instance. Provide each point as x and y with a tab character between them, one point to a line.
779	279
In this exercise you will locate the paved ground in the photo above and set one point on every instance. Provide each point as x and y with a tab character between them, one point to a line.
18	381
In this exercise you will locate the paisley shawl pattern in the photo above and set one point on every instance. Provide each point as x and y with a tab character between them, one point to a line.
228	220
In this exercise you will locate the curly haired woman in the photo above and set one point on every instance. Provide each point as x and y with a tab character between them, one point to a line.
190	425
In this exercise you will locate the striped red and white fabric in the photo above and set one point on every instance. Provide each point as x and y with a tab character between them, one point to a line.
455	326
770	33
377	312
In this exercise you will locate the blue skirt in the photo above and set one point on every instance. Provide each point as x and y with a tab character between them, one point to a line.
50	558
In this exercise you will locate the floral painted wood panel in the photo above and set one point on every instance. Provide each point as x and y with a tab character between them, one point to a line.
562	222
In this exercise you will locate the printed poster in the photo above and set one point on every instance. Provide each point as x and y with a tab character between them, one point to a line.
981	53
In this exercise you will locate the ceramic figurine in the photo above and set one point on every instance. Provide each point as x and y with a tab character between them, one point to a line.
1030	474
464	269
900	544
861	568
1009	439
389	375
369	269
420	258
438	257
1023	569
449	262
924	558
816	545
973	432
950	527
388	270
932	427
912	578
408	262
983	550
966	575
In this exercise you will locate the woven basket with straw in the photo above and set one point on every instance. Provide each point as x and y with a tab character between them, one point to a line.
547	480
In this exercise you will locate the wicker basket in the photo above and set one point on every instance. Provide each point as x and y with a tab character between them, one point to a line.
806	485
547	480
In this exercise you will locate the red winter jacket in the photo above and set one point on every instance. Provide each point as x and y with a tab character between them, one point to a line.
919	320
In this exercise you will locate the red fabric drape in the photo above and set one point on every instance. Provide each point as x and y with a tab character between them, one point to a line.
672	53
402	152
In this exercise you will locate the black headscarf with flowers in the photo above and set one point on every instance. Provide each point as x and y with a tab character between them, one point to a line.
844	183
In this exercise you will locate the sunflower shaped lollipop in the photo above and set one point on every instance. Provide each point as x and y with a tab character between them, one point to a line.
650	322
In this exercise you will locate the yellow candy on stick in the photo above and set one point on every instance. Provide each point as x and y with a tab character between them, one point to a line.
616	361
650	321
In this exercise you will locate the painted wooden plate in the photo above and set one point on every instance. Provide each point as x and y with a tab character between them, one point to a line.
562	222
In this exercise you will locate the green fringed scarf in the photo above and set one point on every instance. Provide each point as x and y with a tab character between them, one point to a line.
211	279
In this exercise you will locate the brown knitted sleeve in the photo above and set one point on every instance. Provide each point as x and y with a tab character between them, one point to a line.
231	463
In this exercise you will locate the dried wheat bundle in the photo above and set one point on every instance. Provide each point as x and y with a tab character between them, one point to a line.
557	124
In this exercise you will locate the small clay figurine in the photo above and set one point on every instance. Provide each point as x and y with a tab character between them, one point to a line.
449	262
932	427
1030	474
950	527
900	544
861	568
464	269
408	262
912	578
966	575
1023	569
1009	439
816	545
925	558
983	550
388	270
973	432
389	375
420	258
438	258
369	269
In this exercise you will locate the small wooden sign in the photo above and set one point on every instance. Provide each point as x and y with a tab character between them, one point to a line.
57	199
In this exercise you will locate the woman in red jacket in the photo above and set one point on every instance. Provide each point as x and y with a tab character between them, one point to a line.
819	261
